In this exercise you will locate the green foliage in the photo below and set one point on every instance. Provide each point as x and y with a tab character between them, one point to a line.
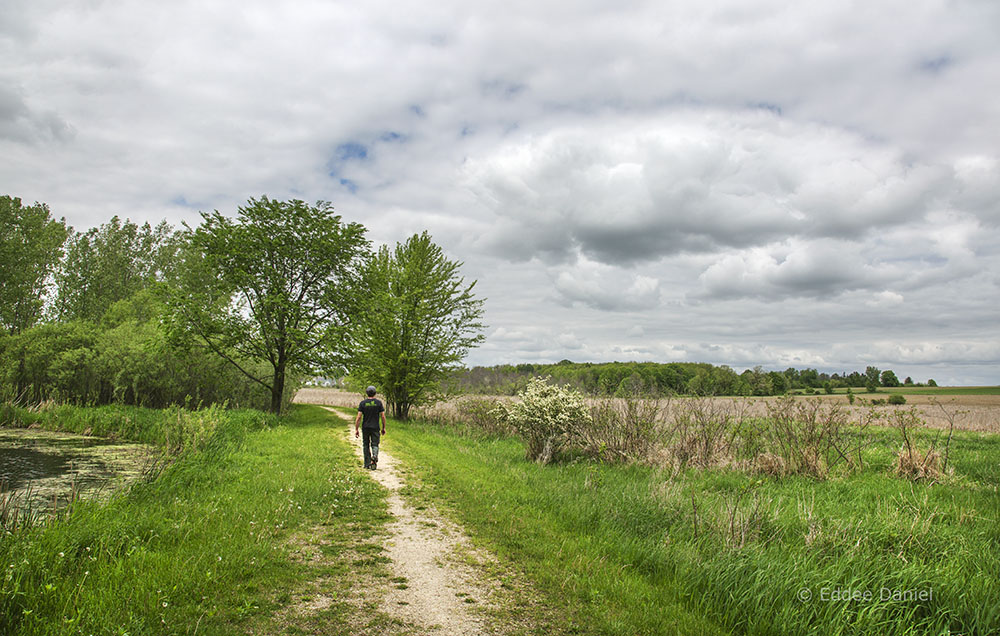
889	379
651	379
111	263
548	417
896	398
872	376
277	286
30	247
126	358
418	319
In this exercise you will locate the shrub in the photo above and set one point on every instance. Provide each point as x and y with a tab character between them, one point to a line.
624	429
548	418
896	398
807	435
703	431
482	414
913	462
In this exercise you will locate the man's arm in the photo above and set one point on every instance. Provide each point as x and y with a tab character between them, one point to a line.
383	421
357	423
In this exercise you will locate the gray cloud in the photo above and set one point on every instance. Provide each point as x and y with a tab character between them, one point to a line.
636	191
742	183
19	123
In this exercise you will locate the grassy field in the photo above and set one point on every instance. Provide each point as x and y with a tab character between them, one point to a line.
215	545
944	390
636	550
924	390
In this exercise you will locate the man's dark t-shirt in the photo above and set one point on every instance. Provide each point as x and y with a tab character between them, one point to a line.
371	408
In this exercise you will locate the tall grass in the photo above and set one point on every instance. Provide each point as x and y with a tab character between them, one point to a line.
174	429
645	549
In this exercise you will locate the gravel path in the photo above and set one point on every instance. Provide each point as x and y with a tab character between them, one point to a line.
435	590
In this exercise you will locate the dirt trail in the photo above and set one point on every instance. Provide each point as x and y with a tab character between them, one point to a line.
440	590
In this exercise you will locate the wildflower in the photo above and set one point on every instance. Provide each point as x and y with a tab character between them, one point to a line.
61	554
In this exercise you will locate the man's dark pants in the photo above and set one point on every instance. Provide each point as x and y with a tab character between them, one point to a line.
369	442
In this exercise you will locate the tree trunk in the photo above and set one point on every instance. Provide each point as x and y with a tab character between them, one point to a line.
22	387
401	410
278	387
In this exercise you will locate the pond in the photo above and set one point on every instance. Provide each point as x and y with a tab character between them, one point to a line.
39	468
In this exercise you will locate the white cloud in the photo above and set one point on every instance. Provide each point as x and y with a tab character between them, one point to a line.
885	299
606	288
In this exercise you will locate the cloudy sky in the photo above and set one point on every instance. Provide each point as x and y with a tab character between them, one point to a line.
739	182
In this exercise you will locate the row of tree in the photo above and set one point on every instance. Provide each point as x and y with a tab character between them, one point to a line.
652	378
233	310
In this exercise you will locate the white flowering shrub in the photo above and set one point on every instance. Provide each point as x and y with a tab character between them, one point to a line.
549	418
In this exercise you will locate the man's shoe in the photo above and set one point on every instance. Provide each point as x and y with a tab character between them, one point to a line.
374	464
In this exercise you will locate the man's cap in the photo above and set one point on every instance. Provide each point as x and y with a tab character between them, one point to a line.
370	390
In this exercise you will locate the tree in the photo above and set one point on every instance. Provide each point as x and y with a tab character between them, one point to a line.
889	378
420	319
872	378
30	247
276	285
110	263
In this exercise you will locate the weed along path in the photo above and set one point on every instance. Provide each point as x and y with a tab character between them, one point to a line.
433	587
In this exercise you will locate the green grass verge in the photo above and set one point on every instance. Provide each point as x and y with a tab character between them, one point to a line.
922	390
944	390
633	550
209	547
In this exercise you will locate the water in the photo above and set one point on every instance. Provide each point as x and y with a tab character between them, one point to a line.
42	467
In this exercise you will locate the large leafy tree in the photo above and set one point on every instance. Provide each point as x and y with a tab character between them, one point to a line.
420	318
30	247
275	285
111	263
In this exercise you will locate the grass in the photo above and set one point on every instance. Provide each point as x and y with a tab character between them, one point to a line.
637	550
268	526
222	542
923	390
944	390
174	429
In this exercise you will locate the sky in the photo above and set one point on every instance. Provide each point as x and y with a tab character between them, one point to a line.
773	183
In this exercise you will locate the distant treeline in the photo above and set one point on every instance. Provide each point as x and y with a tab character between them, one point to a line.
672	378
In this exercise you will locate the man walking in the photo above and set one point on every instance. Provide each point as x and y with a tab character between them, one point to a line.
370	410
